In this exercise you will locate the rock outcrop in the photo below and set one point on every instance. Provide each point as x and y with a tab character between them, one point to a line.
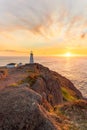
20	109
76	112
54	86
31	103
3	74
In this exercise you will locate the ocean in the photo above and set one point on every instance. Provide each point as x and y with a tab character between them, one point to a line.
73	68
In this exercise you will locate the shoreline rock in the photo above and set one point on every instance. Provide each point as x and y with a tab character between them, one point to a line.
36	99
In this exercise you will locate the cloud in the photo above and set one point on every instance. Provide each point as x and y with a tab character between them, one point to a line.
47	18
84	33
14	51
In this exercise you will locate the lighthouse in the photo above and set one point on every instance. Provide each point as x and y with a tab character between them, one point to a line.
31	58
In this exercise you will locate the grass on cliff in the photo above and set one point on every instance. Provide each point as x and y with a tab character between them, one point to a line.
75	114
67	94
13	85
31	79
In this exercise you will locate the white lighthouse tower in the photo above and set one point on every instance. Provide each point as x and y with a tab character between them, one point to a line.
31	58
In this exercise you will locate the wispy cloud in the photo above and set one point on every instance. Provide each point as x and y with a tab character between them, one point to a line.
54	20
14	51
29	14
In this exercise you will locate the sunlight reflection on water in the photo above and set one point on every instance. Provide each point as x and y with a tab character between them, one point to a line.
74	68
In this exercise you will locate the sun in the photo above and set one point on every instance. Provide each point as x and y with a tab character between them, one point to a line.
68	54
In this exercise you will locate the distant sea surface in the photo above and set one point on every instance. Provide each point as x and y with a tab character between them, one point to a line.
73	68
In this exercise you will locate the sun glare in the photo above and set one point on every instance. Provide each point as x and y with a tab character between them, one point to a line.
68	54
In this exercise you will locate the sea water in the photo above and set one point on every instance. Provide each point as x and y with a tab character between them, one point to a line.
73	68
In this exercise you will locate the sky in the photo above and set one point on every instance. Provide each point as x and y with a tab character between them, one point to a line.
47	27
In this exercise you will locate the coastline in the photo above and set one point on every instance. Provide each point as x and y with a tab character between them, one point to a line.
35	97
71	68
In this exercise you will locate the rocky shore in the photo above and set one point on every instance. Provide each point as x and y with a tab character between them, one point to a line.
32	97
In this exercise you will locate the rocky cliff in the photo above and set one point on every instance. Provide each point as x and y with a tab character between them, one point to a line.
40	99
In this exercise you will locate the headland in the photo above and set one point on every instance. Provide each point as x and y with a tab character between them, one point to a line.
33	97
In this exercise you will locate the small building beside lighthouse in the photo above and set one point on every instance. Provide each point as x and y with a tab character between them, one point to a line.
31	58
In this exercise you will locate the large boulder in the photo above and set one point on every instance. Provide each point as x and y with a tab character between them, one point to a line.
49	88
21	109
54	86
67	84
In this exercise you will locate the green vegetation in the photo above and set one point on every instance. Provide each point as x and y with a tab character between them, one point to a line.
73	115
67	95
64	121
31	79
13	85
29	71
